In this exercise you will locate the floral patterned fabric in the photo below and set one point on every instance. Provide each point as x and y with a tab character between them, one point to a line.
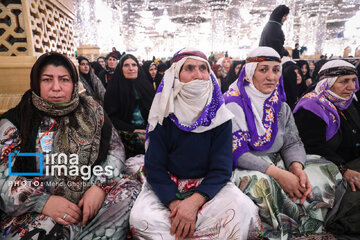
281	217
22	203
229	215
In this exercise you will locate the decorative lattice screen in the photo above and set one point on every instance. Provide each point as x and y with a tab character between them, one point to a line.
49	28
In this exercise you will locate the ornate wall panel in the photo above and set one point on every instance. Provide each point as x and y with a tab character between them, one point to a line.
32	27
29	28
13	40
52	29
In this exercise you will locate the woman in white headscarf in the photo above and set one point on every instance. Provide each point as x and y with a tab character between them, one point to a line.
188	161
328	119
292	190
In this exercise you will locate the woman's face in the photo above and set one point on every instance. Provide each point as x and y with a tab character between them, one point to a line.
298	76
226	63
152	71
194	69
56	84
283	19
130	69
102	62
304	69
344	86
237	69
311	65
112	62
266	76
84	67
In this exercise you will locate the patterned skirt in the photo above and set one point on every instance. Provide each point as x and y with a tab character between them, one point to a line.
111	222
281	217
229	215
134	143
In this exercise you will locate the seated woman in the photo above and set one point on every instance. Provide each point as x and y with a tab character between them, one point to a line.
160	70
294	85
328	120
305	69
79	200
232	75
96	68
106	74
92	84
149	68
219	72
127	102
292	190
188	161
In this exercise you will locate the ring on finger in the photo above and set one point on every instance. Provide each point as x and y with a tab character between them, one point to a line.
65	215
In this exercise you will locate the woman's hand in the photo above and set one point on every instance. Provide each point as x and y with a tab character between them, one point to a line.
58	207
297	169
353	178
91	203
183	215
288	181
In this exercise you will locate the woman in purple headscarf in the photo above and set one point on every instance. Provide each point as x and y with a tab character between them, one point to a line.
188	193
269	159
328	119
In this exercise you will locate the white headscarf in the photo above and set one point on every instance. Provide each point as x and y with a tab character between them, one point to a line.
255	126
188	101
257	98
331	80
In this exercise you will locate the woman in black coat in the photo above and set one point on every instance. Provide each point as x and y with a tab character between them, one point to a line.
272	34
294	84
127	102
328	120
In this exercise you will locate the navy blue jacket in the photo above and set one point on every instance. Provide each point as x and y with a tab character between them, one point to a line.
188	155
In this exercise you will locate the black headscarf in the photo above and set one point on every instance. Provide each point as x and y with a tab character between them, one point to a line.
103	58
146	66
301	63
292	89
27	118
120	99
278	13
161	68
105	74
231	76
86	76
97	67
318	66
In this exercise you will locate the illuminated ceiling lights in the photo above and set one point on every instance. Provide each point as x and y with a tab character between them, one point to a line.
219	5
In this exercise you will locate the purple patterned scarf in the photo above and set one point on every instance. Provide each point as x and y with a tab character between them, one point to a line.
249	140
325	105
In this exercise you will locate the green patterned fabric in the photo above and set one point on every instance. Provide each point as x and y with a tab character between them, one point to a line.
133	142
137	120
281	217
